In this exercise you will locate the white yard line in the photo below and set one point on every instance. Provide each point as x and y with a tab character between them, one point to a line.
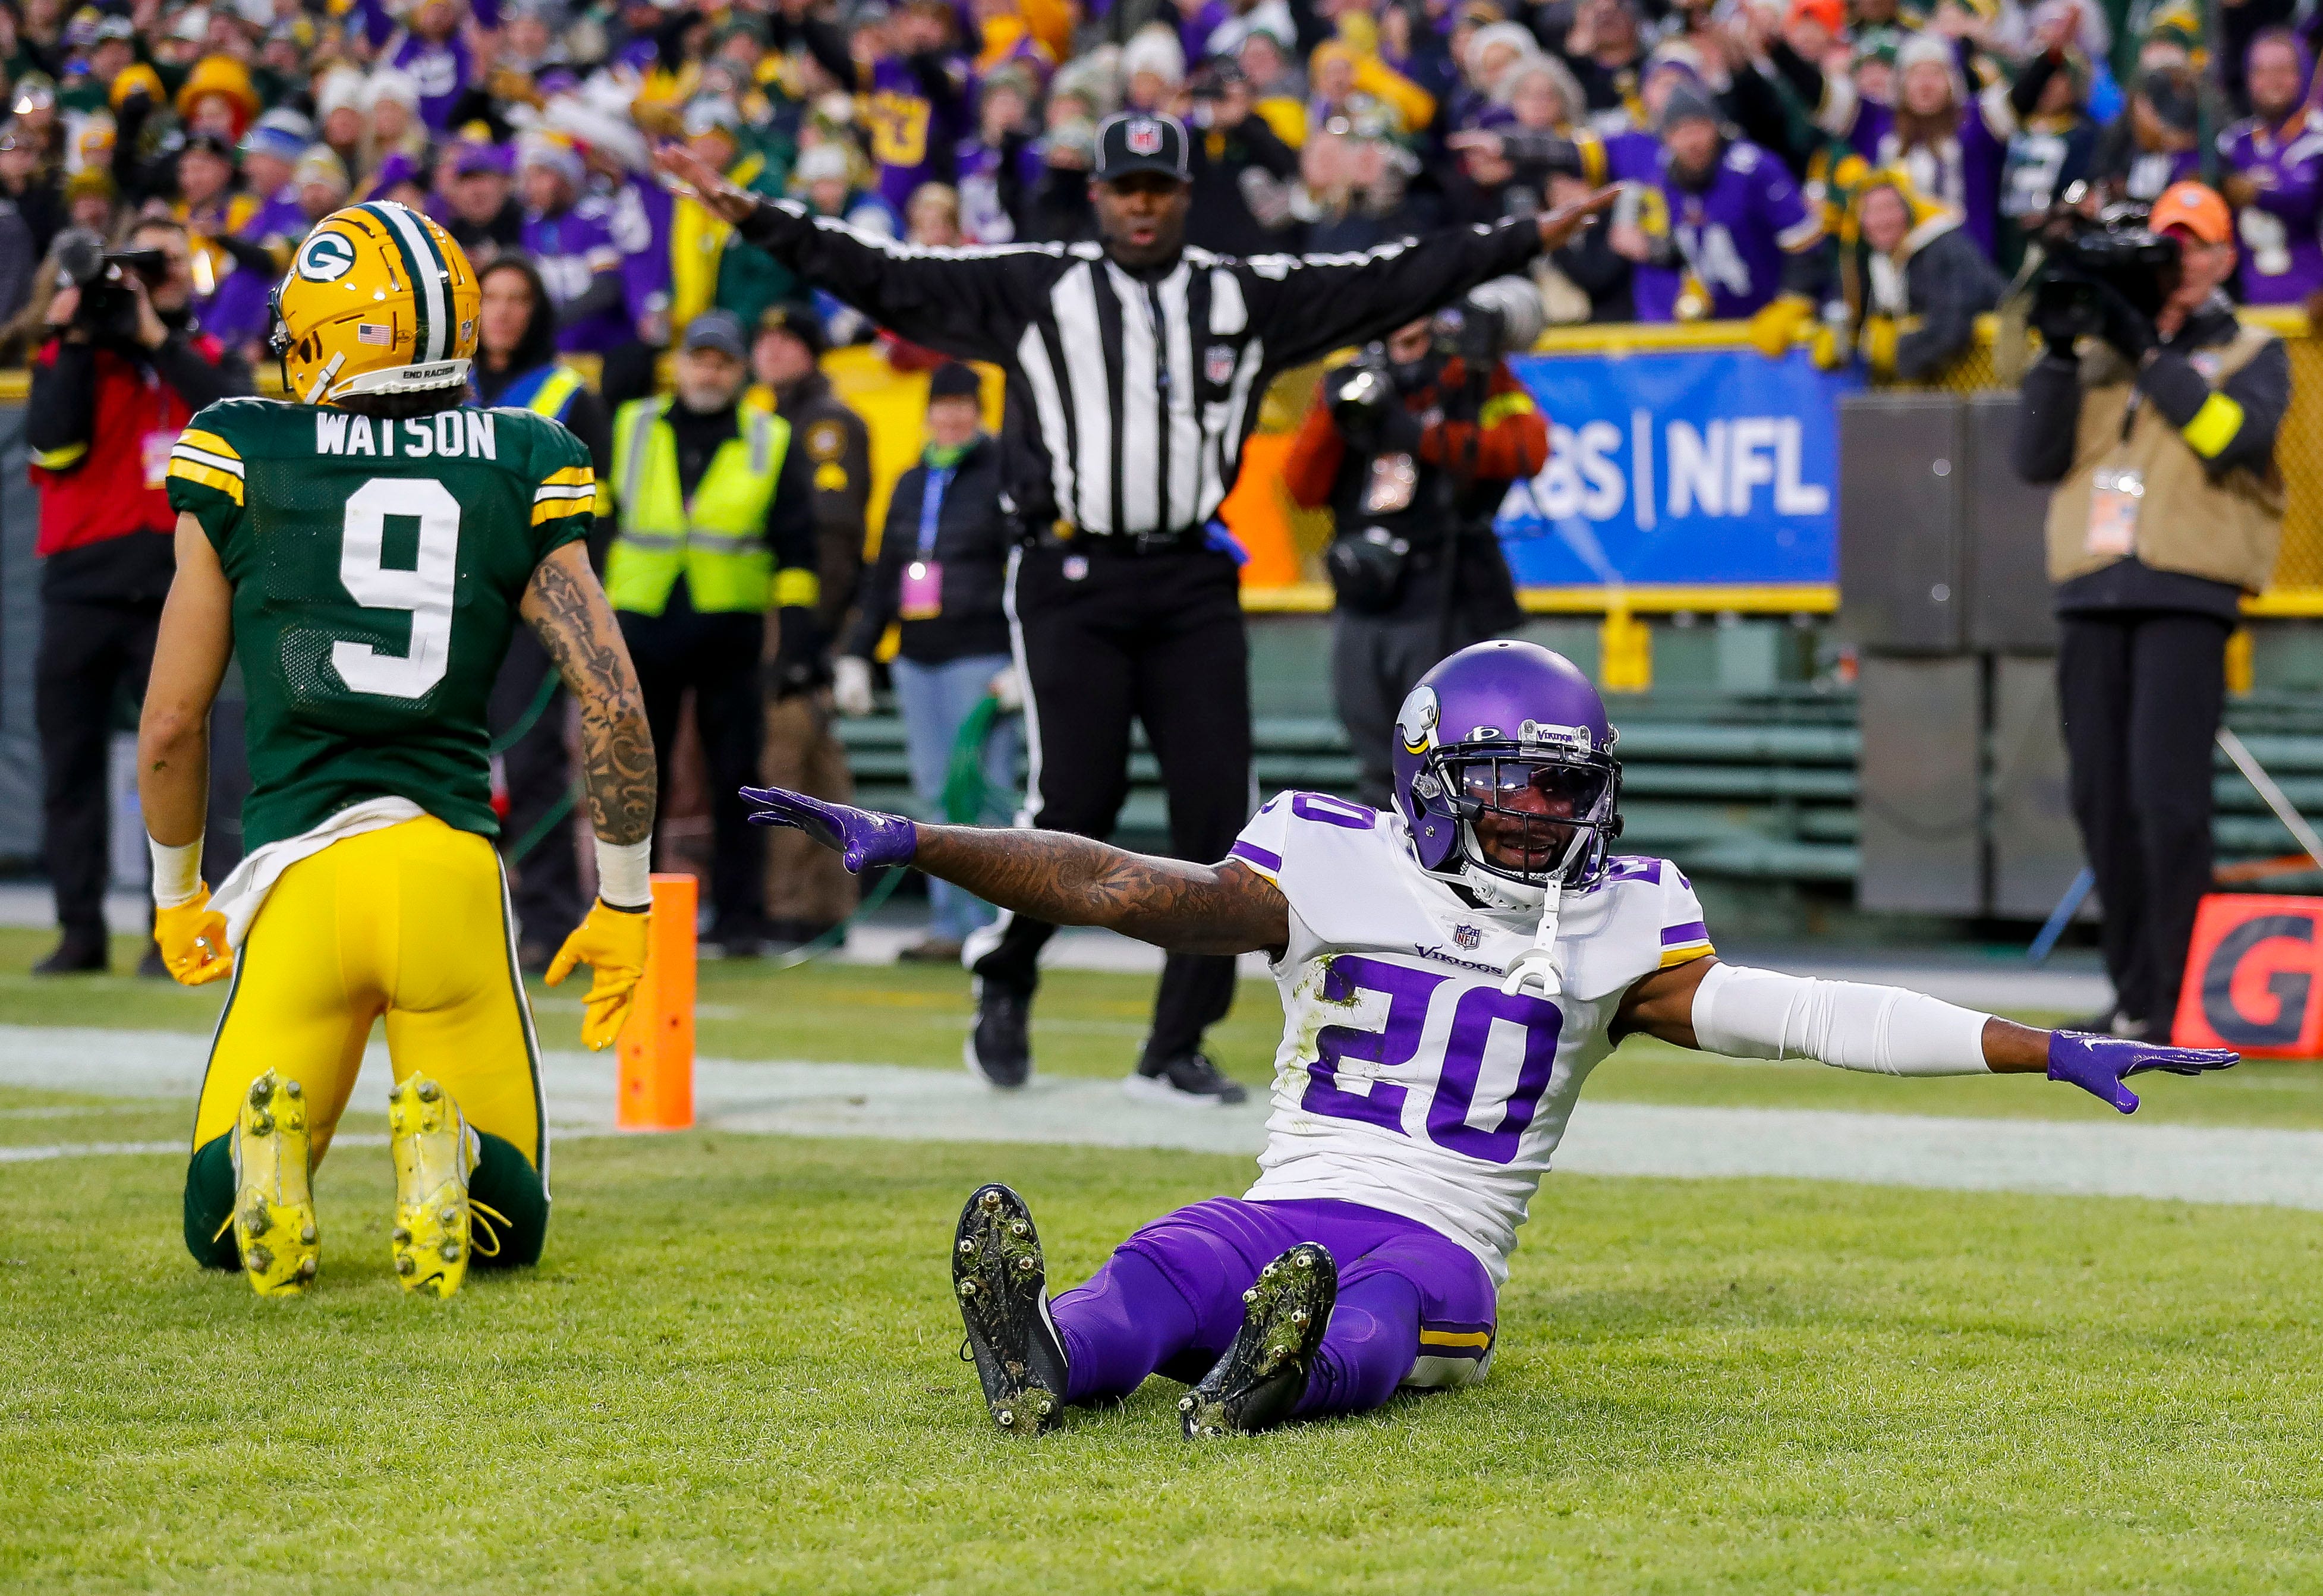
889	1102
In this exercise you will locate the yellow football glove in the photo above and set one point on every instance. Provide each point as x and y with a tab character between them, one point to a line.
192	939
1828	348
1879	345
612	943
1778	325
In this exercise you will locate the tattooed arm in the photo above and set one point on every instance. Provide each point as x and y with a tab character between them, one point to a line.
173	732
1068	880
566	608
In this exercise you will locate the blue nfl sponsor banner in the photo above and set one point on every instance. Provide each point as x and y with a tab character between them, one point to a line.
1699	466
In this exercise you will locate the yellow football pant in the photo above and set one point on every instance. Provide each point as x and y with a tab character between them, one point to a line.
412	923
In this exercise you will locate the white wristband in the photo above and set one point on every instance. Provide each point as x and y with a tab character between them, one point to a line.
622	868
176	873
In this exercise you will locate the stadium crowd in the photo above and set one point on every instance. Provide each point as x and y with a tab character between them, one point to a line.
1800	163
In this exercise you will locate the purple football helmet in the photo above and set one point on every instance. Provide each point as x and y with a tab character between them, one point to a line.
1512	736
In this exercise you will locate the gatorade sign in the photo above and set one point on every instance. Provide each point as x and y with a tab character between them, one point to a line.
2255	977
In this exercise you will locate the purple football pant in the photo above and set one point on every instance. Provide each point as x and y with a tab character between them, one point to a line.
1169	1301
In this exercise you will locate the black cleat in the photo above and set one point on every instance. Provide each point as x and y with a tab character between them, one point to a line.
1002	1288
998	1052
1263	1374
1190	1082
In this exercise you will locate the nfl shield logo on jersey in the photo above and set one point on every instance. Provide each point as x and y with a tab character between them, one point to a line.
1467	936
1218	364
1144	138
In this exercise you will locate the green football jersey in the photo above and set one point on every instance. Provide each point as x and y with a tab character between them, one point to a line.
377	567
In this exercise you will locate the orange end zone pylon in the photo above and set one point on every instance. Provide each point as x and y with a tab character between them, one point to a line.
657	1041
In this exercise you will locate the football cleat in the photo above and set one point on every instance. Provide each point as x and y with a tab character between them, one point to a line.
273	1204
998	1050
1002	1287
434	1217
1190	1082
1263	1373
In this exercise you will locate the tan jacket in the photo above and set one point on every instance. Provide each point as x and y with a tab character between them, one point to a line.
2226	530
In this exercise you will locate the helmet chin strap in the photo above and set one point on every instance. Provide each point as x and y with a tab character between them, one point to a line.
1536	969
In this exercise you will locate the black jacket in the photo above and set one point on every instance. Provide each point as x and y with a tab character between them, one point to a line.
838	449
488	240
972	543
2048	423
1948	283
1248	154
1090	383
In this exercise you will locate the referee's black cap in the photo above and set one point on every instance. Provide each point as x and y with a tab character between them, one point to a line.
1140	141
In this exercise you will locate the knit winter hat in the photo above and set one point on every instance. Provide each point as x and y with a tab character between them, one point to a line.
1687	102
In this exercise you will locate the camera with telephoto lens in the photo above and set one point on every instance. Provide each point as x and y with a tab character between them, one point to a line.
1502	317
107	312
1365	391
2114	249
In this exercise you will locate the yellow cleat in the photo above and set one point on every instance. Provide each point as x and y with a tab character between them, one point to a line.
428	1138
273	1204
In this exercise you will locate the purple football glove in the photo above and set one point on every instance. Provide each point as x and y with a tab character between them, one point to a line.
862	839
2099	1064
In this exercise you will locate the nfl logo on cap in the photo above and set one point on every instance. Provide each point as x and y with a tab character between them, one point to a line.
1137	142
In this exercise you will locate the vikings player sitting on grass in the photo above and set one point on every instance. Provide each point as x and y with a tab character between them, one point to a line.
1451	972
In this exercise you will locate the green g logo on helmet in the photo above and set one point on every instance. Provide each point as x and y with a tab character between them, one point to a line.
326	257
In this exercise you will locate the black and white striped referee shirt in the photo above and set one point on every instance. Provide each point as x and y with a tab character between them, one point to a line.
1130	395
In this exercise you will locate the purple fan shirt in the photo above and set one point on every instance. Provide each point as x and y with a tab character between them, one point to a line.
237	314
913	136
1733	235
571	249
442	69
1963	170
983	219
1194	32
637	214
2283	259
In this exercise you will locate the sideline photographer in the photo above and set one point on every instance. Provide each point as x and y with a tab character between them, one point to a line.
2159	435
123	374
1413	445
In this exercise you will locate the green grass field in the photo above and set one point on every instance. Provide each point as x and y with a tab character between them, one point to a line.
736	1368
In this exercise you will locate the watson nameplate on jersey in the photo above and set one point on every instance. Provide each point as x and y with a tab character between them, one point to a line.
451	434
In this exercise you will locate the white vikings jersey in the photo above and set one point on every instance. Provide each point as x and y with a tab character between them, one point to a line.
1406	1080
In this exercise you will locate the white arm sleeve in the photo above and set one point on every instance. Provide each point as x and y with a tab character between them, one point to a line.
1747	1014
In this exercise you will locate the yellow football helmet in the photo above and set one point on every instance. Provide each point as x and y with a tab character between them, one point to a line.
378	299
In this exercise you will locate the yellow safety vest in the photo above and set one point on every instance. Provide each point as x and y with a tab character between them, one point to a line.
718	541
554	392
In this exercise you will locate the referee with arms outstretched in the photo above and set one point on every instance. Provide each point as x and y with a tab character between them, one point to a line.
1135	366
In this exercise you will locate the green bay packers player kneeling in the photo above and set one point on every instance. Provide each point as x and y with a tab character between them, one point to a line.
366	549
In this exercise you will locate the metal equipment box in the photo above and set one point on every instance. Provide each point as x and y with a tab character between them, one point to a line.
1900	557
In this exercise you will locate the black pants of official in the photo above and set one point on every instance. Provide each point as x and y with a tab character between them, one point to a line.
718	657
536	837
2142	693
89	655
1109	635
